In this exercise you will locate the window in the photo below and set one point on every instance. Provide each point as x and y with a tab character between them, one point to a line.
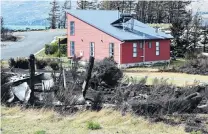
111	49
150	44
134	49
157	48
72	48
141	44
71	27
92	49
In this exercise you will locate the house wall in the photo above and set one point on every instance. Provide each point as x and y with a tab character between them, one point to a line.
150	53
84	34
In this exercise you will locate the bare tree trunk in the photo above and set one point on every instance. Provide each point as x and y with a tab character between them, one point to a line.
32	75
88	76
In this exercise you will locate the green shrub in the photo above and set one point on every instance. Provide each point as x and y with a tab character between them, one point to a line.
54	65
93	125
47	49
11	62
54	47
51	48
22	63
40	64
196	132
56	54
111	74
40	132
63	49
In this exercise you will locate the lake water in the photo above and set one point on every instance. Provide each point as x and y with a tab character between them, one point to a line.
23	27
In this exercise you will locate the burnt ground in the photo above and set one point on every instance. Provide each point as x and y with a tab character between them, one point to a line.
160	102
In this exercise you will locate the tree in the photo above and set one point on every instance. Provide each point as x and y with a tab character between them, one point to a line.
204	40
180	29
124	6
84	4
195	32
2	22
54	14
67	5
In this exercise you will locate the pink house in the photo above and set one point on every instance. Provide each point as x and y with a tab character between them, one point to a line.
103	33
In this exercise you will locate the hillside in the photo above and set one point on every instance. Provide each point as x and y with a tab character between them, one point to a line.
25	12
36	12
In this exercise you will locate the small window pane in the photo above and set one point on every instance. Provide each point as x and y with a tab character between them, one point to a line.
134	44
134	54
150	44
72	49
134	49
157	48
71	27
157	44
92	49
111	49
141	44
157	53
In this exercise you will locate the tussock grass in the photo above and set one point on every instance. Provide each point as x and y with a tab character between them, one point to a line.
15	120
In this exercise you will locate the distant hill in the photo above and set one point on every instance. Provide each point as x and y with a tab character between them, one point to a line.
26	12
35	12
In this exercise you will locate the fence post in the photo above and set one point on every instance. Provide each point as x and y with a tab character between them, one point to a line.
88	76
32	75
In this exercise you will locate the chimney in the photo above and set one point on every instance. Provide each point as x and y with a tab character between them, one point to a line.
156	29
118	13
132	24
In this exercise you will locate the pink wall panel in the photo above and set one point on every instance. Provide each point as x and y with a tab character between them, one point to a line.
84	34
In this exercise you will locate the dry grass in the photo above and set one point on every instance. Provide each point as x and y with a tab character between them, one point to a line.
179	79
156	68
29	121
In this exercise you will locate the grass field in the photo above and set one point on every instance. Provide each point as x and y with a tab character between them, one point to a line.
179	79
42	121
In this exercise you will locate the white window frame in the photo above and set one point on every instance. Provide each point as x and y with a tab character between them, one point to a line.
72	28
72	48
157	48
134	49
149	44
111	49
92	49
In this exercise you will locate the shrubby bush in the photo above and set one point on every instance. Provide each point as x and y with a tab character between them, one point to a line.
19	63
63	49
108	71
54	65
40	64
53	49
93	125
195	66
12	62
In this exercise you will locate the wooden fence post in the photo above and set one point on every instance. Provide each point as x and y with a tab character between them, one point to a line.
88	76
32	75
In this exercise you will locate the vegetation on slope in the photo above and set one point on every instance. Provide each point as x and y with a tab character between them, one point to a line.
16	120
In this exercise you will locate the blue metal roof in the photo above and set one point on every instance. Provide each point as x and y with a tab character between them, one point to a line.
102	20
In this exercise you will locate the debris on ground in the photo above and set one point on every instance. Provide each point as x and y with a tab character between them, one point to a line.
103	85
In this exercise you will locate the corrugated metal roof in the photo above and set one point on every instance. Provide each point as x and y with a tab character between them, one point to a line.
102	20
